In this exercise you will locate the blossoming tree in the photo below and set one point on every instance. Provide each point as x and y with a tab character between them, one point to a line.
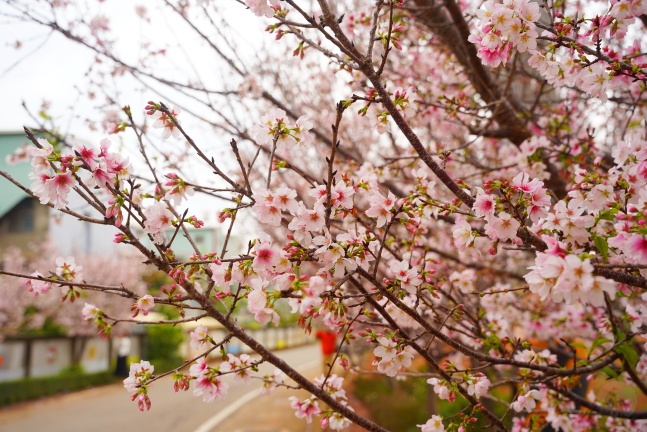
20	313
437	178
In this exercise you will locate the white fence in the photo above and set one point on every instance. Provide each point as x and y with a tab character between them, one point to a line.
271	337
43	356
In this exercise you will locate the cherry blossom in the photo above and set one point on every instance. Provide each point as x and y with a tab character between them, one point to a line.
441	389
262	8
474	187
526	401
90	312
164	121
199	338
158	219
210	387
434	424
502	227
36	286
144	304
304	409
67	269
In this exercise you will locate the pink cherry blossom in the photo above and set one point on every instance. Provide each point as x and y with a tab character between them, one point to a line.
163	120
305	409
478	385
272	382
199	368
210	388
158	219
381	208
241	366
144	304
408	277
199	338
502	227
636	247
67	269
36	286
90	312
526	401
139	374
434	424
441	389
484	204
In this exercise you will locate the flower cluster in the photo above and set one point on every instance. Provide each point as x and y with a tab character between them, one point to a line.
143	305
262	8
169	123
390	358
275	125
503	26
208	382
333	386
158	219
140	374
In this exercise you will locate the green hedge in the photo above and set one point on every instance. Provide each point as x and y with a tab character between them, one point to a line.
166	364
12	392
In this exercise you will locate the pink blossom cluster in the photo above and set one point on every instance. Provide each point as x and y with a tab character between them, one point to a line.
199	338
434	424
208	382
532	235
275	125
140	374
56	174
390	358
262	8
526	401
504	26
568	278
168	123
443	389
37	286
158	219
272	381
143	305
306	408
50	187
178	189
333	386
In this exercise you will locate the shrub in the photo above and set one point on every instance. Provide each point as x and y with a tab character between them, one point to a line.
12	392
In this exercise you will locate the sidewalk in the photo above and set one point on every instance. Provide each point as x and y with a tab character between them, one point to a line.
272	413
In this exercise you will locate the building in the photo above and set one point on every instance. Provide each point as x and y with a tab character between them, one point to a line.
25	222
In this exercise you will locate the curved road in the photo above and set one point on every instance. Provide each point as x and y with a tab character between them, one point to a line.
109	409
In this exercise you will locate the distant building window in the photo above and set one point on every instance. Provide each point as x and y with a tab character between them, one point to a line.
20	218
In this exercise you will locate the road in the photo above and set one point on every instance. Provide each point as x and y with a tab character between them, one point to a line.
109	409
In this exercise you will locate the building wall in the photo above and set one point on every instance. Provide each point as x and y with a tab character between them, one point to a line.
16	231
46	356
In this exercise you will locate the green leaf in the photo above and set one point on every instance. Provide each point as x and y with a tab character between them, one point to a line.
628	354
610	372
608	214
602	246
597	342
577	345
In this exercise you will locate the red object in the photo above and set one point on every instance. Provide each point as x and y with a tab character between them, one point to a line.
328	341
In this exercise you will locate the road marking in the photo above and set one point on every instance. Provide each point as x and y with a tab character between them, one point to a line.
218	418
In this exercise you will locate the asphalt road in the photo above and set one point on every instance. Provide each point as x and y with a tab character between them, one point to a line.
109	409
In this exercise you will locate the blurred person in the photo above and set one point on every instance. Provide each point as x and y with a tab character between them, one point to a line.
123	345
